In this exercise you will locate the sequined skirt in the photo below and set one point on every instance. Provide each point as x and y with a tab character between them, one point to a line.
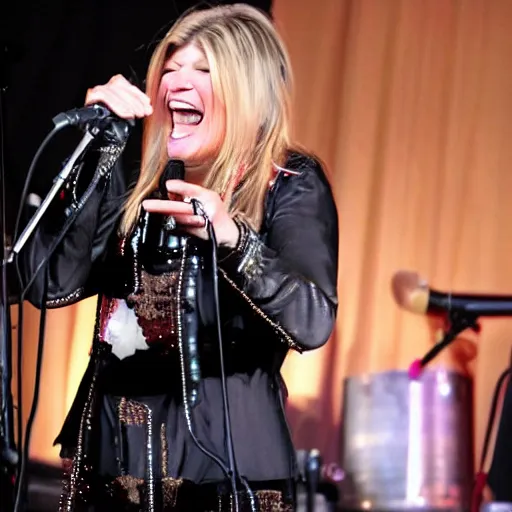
135	468
129	494
135	451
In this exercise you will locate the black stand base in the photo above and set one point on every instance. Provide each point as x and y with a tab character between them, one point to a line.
6	488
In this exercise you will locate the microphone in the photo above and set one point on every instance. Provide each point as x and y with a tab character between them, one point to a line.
85	115
159	237
412	293
160	227
164	243
95	115
174	170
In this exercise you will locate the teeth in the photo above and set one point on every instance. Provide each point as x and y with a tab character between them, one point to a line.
177	136
183	117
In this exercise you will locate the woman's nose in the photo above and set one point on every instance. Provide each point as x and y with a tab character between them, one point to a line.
180	81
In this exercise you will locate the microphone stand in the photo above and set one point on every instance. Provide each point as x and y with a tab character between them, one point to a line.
8	454
10	471
459	321
58	183
313	469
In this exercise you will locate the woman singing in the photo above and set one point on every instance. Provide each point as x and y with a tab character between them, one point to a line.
218	261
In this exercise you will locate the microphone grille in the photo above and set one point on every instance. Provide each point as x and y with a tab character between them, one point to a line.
174	170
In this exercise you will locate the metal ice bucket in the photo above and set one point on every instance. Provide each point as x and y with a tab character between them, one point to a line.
496	507
407	445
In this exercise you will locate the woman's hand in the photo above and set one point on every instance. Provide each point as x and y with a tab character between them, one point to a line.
121	97
226	231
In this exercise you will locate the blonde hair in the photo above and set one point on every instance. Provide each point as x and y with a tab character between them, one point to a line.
251	76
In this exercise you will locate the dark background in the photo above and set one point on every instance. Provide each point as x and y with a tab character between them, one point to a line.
51	52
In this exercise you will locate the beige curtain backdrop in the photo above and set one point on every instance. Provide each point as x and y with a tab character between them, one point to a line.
408	103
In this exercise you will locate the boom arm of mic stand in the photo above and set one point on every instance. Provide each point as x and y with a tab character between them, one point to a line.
459	321
58	183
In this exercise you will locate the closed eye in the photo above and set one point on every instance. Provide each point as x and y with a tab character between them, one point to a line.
165	71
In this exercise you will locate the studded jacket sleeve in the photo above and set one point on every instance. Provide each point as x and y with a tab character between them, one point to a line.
288	273
73	265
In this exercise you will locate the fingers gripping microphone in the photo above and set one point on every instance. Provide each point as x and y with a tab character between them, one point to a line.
413	294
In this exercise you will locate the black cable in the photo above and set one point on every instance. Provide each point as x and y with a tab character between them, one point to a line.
492	416
199	209
35	400
19	355
23	452
19	380
69	221
57	128
187	298
7	443
189	368
197	442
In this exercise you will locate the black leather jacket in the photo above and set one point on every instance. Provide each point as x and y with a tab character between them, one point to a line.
282	297
294	290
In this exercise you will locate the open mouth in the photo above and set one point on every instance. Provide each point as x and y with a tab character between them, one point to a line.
185	116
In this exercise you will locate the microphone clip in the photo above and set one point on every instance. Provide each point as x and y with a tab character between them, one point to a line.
92	118
459	321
